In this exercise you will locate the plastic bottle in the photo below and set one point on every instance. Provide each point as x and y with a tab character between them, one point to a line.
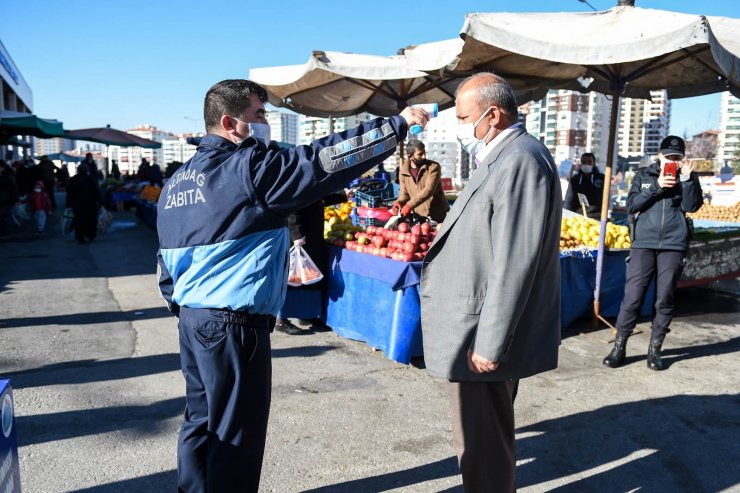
431	109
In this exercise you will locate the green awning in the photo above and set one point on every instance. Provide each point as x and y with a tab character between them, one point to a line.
14	123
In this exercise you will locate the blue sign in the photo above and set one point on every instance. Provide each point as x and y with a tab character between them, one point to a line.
10	475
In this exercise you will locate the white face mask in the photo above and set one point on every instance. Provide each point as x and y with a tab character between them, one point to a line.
466	135
37	190
587	168
260	131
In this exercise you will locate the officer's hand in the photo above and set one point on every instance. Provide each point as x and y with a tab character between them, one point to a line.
415	116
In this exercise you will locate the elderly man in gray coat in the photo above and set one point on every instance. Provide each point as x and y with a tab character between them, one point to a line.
490	286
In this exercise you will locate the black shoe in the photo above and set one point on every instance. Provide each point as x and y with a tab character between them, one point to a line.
654	362
287	327
618	353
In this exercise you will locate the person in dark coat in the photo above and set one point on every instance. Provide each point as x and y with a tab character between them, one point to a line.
659	200
588	181
8	196
83	197
155	175
63	176
46	172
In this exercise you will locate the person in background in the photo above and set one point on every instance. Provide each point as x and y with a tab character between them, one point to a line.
83	197
8	196
40	206
659	202
306	227
63	176
420	183
90	165
144	169
155	175
223	259
46	172
490	284
115	172
589	181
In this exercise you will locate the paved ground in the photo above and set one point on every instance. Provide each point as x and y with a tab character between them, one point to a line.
93	360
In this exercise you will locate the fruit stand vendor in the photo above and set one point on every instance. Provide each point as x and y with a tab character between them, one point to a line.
420	185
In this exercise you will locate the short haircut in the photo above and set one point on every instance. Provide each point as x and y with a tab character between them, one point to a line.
229	97
494	91
585	154
412	145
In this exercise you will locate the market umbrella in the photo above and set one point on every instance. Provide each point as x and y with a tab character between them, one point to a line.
13	123
624	51
111	136
61	156
333	84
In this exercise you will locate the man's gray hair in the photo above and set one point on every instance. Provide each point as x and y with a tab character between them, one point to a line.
494	91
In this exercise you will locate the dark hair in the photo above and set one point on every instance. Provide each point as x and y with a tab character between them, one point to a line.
229	97
412	145
494	91
589	154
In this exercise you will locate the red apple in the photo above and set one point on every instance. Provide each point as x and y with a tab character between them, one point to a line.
403	227
407	257
379	241
416	229
409	247
426	228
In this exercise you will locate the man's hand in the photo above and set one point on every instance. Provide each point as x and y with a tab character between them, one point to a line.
396	206
666	181
406	210
414	116
479	364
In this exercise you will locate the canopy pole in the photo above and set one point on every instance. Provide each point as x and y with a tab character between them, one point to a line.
605	197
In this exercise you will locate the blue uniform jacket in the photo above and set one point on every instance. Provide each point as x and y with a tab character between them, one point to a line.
221	217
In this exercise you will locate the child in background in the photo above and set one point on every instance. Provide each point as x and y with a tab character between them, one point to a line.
40	206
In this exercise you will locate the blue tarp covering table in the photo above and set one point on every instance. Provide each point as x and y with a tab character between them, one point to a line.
376	300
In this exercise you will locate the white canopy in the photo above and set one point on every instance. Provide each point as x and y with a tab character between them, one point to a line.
334	84
689	55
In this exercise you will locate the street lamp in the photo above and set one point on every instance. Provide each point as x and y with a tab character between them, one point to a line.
586	2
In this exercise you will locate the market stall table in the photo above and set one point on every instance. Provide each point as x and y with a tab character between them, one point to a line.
376	300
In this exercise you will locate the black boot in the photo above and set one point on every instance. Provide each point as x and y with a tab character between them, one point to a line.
653	356
287	327
616	357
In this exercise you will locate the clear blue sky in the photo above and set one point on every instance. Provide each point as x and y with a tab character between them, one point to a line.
94	62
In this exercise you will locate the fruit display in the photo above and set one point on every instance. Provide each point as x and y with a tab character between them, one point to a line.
729	213
337	222
579	232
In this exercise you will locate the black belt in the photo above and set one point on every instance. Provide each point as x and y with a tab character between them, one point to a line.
252	320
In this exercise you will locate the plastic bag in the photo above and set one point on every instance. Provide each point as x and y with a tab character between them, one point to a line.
68	221
105	218
302	271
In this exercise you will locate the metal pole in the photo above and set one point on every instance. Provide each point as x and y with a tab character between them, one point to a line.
605	197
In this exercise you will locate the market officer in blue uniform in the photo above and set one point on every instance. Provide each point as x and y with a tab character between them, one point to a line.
223	263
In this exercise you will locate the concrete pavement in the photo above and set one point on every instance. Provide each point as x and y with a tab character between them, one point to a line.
93	359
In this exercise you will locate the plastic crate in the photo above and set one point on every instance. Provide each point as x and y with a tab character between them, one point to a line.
377	198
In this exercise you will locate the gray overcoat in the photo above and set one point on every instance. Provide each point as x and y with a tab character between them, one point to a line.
491	279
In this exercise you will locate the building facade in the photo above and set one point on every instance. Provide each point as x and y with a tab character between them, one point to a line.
44	147
283	126
129	158
643	124
729	128
177	148
15	96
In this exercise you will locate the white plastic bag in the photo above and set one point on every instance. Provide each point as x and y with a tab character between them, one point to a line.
302	271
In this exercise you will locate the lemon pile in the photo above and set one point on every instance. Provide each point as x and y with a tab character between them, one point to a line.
579	232
337	221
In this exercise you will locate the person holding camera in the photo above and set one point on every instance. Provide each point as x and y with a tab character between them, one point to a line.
659	198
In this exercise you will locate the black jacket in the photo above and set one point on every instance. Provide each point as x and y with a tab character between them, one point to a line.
592	186
660	213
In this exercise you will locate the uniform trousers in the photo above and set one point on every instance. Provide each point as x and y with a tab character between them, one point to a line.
483	434
644	265
226	361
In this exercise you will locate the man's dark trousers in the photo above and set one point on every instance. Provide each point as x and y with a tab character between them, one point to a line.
644	264
226	361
